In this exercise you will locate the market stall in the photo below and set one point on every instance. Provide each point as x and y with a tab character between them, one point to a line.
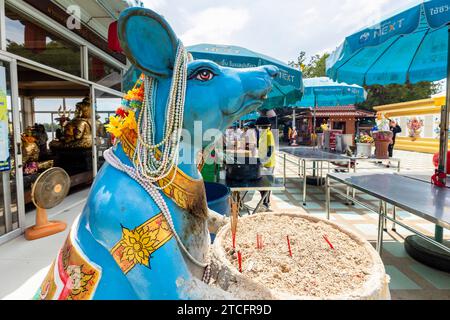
322	92
243	173
240	190
337	120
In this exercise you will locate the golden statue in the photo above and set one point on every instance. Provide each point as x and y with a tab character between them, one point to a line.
30	149
77	133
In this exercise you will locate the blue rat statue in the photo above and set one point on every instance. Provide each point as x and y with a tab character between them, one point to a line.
130	241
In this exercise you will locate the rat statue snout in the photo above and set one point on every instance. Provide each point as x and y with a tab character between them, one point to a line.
260	81
272	71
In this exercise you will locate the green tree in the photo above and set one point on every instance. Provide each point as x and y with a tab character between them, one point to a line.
395	93
300	63
316	67
377	95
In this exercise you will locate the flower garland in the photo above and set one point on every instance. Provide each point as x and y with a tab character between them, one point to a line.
124	122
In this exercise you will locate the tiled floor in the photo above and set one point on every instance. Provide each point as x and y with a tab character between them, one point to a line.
409	278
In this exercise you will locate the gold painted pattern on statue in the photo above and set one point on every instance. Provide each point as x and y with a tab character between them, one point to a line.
136	246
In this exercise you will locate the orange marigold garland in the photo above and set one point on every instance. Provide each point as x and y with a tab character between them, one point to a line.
133	99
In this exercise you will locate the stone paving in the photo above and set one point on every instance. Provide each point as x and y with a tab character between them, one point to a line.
409	278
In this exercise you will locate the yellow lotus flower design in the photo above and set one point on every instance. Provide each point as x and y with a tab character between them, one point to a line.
139	244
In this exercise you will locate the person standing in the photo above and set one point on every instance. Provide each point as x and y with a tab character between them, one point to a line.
233	137
266	151
251	139
294	136
395	129
289	135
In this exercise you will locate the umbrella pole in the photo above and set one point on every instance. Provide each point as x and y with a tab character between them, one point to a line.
314	127
293	119
314	122
314	132
294	127
443	143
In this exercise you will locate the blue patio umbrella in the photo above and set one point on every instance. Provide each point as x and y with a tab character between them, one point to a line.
251	116
324	92
411	46
287	87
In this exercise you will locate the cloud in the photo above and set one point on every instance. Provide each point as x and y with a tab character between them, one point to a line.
278	28
217	25
154	4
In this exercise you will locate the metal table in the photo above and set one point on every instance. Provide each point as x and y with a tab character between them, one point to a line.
355	159
422	176
317	157
266	183
410	194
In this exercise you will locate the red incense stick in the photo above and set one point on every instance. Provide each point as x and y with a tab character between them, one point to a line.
259	243
289	245
328	241
240	261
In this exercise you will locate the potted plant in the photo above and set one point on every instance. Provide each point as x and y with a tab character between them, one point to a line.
364	144
382	136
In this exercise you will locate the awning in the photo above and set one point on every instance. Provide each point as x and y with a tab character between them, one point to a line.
341	111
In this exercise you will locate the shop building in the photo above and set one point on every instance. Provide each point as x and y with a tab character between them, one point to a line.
345	119
59	83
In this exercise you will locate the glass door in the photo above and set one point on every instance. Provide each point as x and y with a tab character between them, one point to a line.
12	211
105	105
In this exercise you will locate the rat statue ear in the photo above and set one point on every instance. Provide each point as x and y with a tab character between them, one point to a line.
148	41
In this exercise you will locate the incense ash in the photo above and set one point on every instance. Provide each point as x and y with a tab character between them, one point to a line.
314	269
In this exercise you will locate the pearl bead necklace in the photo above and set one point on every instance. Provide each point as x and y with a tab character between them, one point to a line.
150	166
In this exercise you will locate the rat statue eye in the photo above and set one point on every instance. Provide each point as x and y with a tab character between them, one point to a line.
204	75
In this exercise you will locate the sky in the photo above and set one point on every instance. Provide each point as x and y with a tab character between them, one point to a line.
278	28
